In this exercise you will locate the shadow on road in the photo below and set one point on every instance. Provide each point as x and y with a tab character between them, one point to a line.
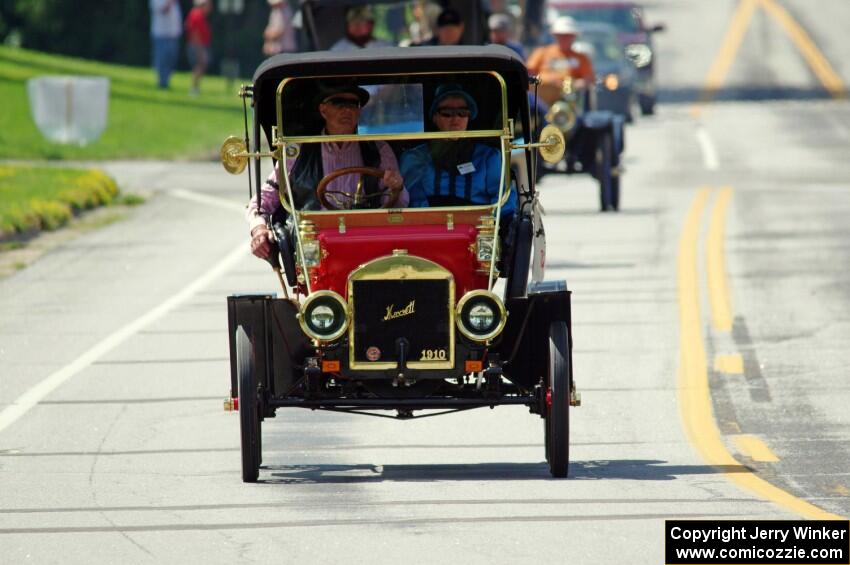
574	265
554	211
689	95
627	469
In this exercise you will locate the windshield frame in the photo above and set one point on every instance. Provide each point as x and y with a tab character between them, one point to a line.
284	143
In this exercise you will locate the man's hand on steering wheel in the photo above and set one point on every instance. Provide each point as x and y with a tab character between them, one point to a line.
392	180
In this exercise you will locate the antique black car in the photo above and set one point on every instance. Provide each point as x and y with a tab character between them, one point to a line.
595	140
389	308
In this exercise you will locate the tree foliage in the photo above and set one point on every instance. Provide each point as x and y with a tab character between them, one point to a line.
96	29
118	31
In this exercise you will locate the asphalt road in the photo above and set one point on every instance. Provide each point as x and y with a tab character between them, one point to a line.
127	456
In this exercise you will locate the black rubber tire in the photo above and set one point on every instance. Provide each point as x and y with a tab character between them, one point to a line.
647	105
249	413
557	419
604	163
631	106
615	193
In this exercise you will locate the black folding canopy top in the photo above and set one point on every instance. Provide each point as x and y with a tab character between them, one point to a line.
448	61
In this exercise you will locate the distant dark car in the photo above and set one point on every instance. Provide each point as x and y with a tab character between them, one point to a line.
594	140
633	33
616	76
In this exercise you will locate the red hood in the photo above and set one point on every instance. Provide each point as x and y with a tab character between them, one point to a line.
344	252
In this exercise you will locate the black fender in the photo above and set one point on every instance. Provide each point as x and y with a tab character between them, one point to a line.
605	121
523	347
280	346
618	130
519	261
285	236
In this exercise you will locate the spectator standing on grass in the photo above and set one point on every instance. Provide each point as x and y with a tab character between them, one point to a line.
279	35
198	39
166	20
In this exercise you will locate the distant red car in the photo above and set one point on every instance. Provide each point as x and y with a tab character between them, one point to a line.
632	31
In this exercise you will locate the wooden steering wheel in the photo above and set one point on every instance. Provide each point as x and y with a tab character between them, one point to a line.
354	199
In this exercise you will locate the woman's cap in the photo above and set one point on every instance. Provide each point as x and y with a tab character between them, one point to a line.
446	90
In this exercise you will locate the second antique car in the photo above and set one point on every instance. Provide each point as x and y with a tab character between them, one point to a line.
390	308
595	140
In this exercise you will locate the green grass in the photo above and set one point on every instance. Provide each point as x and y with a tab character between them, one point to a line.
130	199
34	198
143	121
10	245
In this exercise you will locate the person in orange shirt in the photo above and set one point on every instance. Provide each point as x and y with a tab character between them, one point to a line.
553	63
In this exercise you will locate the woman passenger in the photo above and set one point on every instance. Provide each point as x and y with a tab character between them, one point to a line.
453	172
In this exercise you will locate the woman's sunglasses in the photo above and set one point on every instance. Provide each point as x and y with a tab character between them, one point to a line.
454	112
350	103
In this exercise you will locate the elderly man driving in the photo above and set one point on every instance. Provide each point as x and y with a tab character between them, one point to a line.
339	107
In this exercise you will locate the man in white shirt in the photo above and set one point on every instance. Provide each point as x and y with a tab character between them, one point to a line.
166	28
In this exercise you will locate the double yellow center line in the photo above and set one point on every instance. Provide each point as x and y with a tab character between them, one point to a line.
695	406
734	37
818	63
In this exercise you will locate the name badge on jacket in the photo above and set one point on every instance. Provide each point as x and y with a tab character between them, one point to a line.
466	168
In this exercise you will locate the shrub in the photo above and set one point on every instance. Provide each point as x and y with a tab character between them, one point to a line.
50	214
46	198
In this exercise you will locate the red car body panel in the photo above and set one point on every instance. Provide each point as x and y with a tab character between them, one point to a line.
453	249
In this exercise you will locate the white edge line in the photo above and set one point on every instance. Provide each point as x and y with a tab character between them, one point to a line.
709	153
37	393
206	199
